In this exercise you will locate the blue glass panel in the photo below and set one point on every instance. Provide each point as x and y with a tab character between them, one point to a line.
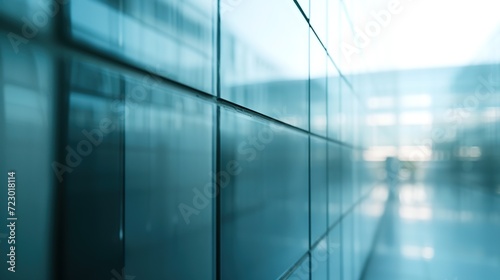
264	197
94	184
260	77
27	136
302	272
319	194
174	39
318	87
335	185
319	261
168	184
335	254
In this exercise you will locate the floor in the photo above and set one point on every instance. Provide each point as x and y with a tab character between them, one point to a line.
438	232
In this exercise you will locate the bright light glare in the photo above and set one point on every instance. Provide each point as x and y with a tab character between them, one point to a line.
382	119
410	195
417	252
416	118
379	153
381	102
415	213
420	100
415	153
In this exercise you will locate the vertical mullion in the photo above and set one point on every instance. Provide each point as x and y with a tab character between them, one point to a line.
309	149
217	151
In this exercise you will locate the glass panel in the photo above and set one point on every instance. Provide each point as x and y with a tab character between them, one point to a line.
346	113
301	272
358	235
94	185
318	18
347	247
318	87
334	183
335	254
346	179
334	31
264	78
333	98
33	14
264	197
27	128
168	184
319	194
174	39
319	261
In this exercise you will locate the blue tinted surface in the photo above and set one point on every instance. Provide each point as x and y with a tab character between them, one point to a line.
94	187
264	204
261	78
334	183
318	87
302	272
333	102
319	261
319	18
170	38
145	105
27	127
335	254
168	187
319	191
430	231
347	246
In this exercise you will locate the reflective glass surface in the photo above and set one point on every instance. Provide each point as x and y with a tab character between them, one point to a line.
319	261
264	203
168	180
422	232
261	78
302	272
318	19
335	254
94	193
174	39
319	188
27	127
318	87
335	185
238	139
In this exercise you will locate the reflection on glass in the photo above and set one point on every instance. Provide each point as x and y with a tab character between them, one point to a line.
319	192
318	19
319	260
335	184
318	87
302	272
170	38
264	78
27	128
264	203
27	10
335	254
333	101
93	195
168	184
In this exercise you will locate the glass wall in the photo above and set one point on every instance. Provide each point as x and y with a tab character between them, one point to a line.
193	139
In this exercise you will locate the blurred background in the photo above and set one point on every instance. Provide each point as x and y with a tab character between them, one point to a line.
251	139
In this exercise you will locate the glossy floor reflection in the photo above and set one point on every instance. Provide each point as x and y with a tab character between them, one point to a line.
437	231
